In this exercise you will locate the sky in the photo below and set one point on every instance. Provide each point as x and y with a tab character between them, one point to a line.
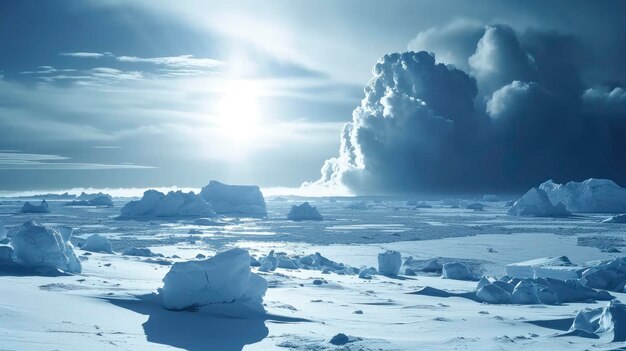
146	93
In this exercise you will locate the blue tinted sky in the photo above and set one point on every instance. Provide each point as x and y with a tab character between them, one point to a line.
158	93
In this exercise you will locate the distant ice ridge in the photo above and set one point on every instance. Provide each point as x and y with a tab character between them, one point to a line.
30	208
96	201
224	278
591	195
43	248
174	204
535	203
235	200
304	212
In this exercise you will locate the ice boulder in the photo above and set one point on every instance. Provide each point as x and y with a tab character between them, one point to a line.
475	206
30	208
174	204
606	275
224	278
389	263
304	212
493	294
525	293
456	270
235	200
141	252
616	219
98	243
38	246
591	195
535	203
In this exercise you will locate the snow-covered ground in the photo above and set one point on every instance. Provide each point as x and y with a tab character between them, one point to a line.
112	305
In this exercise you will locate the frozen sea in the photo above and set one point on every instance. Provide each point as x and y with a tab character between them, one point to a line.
111	306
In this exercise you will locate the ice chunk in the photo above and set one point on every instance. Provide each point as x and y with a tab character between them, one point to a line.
591	195
525	293
98	243
43	248
141	252
606	275
475	206
389	263
535	203
6	254
359	205
367	273
224	278
340	339
30	208
616	219
286	263
613	321
235	200
174	204
456	270
98	201
548	267
3	231
304	212
493	294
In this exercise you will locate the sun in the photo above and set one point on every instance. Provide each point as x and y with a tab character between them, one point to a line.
238	109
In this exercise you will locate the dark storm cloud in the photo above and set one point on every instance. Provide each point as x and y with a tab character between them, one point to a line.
519	114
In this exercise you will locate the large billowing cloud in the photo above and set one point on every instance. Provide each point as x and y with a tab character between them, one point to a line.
515	113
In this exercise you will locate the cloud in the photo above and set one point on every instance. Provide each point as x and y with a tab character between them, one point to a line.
84	54
182	61
30	161
518	116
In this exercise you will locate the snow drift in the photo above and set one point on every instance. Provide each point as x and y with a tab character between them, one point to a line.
236	200
174	204
224	278
40	247
535	203
591	195
304	212
30	208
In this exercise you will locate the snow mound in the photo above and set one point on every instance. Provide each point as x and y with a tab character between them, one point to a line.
98	243
30	208
38	246
237	200
456	270
616	219
591	195
304	212
174	204
535	203
389	263
224	278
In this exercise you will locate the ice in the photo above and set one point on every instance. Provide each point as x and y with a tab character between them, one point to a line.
30	208
608	322
456	270
621	218
535	203
475	206
340	339
304	212
358	205
591	195
98	243
174	204
104	201
3	231
86	196
389	263
235	200
607	275
44	248
224	278
525	293
6	254
367	272
559	267
493	294
141	252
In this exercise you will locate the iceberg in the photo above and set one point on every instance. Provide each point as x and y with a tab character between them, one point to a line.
235	200
389	263
30	208
174	204
224	278
591	195
535	203
40	247
98	243
97	201
304	212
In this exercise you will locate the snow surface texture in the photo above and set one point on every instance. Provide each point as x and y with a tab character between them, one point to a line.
30	208
591	195
44	248
174	204
535	203
98	243
389	263
235	200
224	278
304	212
